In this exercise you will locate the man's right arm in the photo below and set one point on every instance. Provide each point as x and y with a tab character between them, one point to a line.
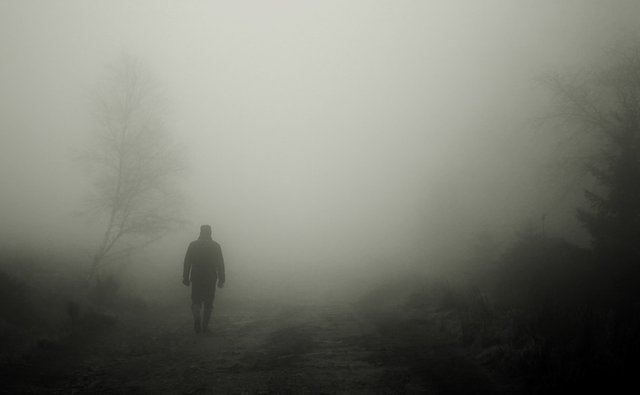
186	267
221	274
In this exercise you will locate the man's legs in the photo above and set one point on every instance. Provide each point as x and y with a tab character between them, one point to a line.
196	302
195	310
202	295
208	308
206	316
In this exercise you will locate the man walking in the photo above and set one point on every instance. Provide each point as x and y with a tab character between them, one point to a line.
203	267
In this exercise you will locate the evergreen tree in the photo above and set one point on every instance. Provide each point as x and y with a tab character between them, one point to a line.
607	107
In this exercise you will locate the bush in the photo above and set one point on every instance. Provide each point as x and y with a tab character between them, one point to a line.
16	305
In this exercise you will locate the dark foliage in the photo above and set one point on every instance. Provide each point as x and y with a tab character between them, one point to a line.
608	109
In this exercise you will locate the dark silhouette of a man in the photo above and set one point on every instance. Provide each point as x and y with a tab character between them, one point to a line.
203	267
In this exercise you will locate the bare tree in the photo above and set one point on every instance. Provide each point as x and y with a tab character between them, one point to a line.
134	165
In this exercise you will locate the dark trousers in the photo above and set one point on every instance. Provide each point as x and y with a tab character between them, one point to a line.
203	294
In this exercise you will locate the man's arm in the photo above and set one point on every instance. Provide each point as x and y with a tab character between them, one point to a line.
221	277
186	268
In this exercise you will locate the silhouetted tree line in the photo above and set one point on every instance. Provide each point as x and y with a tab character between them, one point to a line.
582	307
547	315
607	105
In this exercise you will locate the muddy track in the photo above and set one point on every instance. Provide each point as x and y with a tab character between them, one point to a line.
275	350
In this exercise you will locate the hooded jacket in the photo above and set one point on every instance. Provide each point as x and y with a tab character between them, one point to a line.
203	263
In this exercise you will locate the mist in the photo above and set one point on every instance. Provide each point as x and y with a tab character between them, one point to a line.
334	147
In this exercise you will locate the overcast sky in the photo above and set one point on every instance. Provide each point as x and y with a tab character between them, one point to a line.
318	132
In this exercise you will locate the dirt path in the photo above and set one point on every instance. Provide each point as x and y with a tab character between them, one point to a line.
270	350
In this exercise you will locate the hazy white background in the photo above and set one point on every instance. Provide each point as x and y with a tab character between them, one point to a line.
326	139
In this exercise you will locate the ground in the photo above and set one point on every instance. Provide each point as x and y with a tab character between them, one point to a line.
256	349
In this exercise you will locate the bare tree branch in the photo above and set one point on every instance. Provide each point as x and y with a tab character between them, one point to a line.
135	166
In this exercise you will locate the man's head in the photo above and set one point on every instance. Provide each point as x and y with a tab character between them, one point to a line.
205	231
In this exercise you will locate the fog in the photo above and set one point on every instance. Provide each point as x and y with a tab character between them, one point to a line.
328	143
410	196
